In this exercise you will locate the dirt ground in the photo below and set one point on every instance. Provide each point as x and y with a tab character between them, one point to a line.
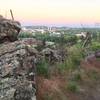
89	87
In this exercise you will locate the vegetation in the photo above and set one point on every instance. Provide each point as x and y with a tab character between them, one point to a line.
74	68
43	68
72	86
72	62
64	38
95	46
25	35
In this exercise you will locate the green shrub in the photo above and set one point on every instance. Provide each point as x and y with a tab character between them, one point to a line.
25	35
73	60
72	86
43	68
76	76
76	54
95	46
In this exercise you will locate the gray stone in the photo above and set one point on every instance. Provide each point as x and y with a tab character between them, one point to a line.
17	65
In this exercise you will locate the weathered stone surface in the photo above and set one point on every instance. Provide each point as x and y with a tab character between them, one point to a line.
24	92
51	55
17	71
9	29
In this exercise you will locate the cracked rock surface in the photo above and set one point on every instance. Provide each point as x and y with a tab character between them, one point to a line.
17	71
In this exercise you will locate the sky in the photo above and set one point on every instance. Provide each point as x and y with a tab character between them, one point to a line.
53	12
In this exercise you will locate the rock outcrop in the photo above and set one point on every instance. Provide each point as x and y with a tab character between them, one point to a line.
17	63
17	71
9	29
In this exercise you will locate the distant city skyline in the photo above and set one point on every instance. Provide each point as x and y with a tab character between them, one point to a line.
63	25
53	12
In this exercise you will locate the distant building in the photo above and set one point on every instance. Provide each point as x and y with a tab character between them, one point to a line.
40	31
55	34
82	34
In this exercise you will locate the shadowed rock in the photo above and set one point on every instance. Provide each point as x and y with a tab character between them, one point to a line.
9	29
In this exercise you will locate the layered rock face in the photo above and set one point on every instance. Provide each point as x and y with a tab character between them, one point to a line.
9	29
17	70
17	63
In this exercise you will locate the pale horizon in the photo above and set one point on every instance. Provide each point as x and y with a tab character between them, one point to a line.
53	12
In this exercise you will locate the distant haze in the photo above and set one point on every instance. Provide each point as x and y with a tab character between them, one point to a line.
53	12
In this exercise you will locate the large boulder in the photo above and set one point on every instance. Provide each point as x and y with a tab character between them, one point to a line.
9	29
51	55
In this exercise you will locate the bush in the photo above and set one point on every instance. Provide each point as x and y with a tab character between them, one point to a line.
76	54
43	68
76	76
25	35
72	61
95	46
72	86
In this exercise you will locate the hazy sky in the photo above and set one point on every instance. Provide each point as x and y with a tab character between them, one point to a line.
52	12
